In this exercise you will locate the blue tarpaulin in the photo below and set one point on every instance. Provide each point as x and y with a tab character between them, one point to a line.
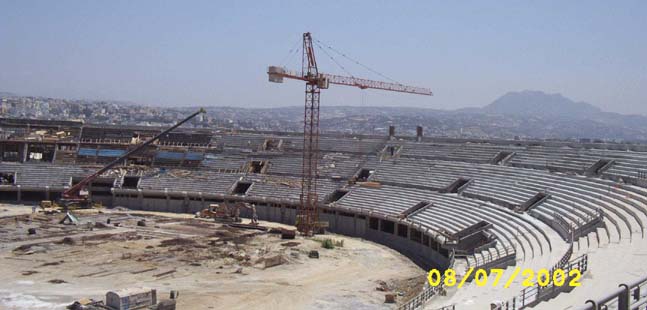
111	153
87	152
169	155
194	156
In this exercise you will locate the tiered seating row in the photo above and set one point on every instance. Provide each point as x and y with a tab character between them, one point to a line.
330	165
41	175
627	164
195	181
576	199
284	187
450	213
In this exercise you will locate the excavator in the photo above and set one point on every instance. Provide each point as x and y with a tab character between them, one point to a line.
73	198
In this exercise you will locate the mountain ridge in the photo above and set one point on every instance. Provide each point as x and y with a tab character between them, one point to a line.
534	102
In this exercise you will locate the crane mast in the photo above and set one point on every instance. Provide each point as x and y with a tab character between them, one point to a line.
307	214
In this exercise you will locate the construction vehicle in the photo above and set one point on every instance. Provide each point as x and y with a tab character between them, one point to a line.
215	211
49	207
228	213
77	195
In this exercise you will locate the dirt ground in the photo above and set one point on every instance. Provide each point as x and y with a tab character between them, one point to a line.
212	265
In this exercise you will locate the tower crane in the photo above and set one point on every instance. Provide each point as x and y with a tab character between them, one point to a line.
307	214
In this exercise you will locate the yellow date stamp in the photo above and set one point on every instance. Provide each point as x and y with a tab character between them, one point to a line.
493	277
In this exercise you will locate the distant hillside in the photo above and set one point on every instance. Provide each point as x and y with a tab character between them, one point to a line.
536	103
7	94
525	115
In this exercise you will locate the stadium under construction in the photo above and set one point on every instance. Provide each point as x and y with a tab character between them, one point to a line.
443	203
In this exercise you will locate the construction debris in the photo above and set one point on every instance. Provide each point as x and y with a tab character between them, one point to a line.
56	281
86	304
165	273
382	286
370	184
248	226
288	233
69	219
48	207
144	270
290	244
68	241
224	212
313	254
273	261
165	305
389	298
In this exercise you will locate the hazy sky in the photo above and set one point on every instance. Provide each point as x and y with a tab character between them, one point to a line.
216	52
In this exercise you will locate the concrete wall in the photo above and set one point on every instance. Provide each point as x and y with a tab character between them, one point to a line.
353	226
422	255
171	204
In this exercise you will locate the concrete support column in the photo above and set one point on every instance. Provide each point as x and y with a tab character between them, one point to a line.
354	224
419	234
419	133
391	132
19	194
112	197
140	198
397	230
168	199
90	191
336	214
185	203
55	153
25	149
47	193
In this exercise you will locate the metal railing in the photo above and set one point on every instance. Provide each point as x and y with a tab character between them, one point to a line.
450	307
531	296
488	260
421	299
571	232
428	291
627	296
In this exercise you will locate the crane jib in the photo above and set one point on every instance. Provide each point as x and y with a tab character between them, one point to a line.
73	191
